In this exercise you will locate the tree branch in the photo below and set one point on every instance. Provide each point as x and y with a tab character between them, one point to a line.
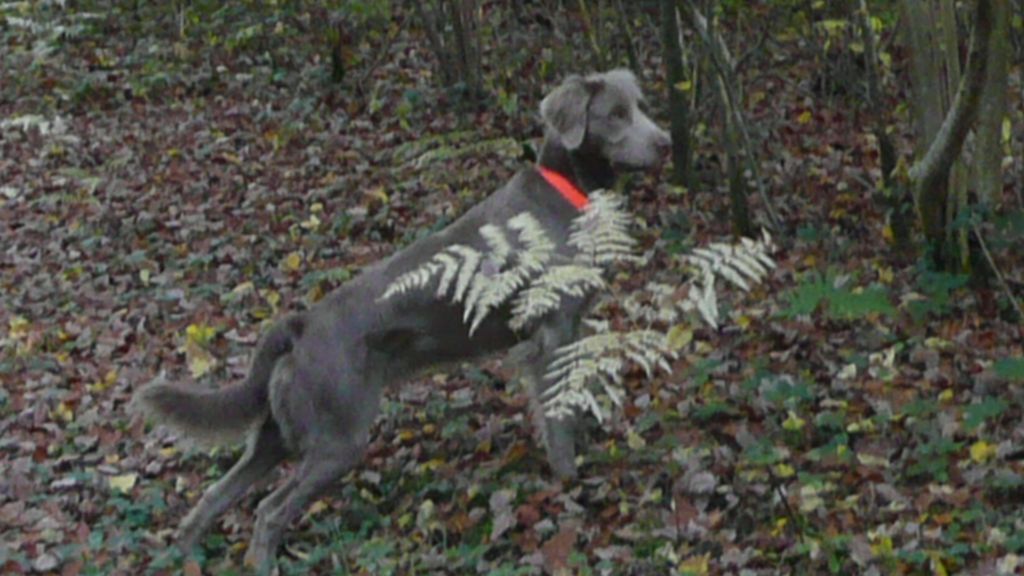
934	167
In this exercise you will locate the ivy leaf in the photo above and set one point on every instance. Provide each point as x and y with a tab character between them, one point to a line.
977	414
1010	368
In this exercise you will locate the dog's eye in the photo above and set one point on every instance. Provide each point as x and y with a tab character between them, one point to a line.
620	113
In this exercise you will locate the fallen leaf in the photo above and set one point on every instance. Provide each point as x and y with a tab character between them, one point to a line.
123	483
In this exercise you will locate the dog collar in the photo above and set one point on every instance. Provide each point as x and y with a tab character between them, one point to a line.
567	189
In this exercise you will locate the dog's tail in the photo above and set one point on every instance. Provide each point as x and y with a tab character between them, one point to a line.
223	415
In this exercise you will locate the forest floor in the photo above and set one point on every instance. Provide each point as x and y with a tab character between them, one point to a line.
161	198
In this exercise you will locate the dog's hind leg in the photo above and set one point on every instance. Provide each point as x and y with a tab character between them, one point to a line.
265	450
318	470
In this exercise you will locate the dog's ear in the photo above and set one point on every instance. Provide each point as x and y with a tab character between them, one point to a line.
565	110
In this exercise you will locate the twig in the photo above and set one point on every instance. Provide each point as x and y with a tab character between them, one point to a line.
999	275
726	69
381	57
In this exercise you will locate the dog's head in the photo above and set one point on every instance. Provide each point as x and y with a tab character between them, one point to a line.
602	112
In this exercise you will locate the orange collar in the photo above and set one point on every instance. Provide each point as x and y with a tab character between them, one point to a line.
567	189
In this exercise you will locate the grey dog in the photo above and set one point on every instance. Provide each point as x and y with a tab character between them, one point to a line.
315	383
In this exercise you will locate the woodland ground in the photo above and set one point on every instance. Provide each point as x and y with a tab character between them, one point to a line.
857	414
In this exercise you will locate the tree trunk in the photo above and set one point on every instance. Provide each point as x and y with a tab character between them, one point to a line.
679	108
988	166
739	206
930	175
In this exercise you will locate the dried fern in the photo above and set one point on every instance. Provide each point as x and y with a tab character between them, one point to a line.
545	293
493	287
600	359
592	366
601	233
485	280
740	264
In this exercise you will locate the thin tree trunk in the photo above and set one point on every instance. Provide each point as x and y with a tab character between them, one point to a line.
593	35
900	206
989	153
739	206
679	109
627	33
732	96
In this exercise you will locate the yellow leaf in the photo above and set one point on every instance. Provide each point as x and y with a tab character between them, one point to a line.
272	297
780	526
312	223
805	117
938	568
696	565
431	465
872	461
634	440
405	520
200	334
794	422
946	395
783	470
243	289
684	86
64	412
123	483
292	262
679	337
315	294
982	451
144	276
886	275
883	548
743	322
200	362
18	326
317	507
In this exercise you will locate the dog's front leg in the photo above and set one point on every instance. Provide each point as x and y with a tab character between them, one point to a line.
557	434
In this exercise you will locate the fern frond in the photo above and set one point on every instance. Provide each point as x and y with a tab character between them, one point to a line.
545	293
740	264
498	243
538	247
454	260
601	233
412	280
598	361
490	291
470	261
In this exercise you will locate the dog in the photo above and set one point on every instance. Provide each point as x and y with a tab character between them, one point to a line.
314	386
